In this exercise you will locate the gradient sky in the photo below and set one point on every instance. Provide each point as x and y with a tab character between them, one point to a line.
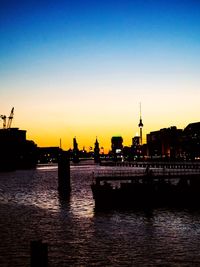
81	68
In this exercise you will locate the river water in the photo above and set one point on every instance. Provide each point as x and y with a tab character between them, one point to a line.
30	209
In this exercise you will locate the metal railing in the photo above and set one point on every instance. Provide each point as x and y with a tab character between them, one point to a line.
142	172
160	164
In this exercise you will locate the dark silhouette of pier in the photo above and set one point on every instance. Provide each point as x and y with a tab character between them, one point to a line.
146	188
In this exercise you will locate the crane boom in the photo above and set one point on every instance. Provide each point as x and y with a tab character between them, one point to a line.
10	118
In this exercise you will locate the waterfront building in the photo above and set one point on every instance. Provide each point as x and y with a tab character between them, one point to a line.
117	147
48	154
173	143
135	148
165	143
191	141
16	152
136	141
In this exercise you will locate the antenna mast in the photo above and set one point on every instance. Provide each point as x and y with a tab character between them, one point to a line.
140	125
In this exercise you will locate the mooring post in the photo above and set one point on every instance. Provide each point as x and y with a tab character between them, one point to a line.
39	254
64	185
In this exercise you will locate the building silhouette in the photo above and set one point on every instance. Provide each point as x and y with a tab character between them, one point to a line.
172	143
117	147
135	148
165	143
191	141
16	152
48	154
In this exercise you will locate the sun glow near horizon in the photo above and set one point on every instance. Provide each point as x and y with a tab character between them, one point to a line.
82	69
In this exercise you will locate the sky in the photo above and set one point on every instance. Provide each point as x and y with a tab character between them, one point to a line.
81	68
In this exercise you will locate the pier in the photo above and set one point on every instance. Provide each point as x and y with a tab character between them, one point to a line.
146	188
135	174
161	164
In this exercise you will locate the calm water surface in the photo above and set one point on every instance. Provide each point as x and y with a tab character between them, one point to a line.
31	209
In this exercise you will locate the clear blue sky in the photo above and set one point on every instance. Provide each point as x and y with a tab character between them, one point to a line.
79	66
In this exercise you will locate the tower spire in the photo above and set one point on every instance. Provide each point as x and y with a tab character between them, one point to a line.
140	125
96	151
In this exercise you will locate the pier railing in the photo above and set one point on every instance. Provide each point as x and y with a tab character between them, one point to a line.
141	173
161	164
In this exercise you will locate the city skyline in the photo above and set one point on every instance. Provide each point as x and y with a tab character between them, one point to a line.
81	69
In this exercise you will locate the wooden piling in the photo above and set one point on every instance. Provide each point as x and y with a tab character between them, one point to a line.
39	254
64	184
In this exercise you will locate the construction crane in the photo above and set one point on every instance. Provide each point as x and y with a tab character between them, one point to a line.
10	118
4	120
3	117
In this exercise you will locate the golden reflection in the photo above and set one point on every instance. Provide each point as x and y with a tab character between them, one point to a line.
82	208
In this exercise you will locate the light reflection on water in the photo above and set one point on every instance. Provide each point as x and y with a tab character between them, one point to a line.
31	208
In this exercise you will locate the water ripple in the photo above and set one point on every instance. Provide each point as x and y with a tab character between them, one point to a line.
31	209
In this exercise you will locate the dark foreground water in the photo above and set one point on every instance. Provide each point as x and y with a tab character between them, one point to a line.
30	209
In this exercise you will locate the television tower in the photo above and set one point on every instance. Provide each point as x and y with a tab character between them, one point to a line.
140	125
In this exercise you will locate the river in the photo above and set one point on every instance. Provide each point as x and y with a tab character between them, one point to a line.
31	209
